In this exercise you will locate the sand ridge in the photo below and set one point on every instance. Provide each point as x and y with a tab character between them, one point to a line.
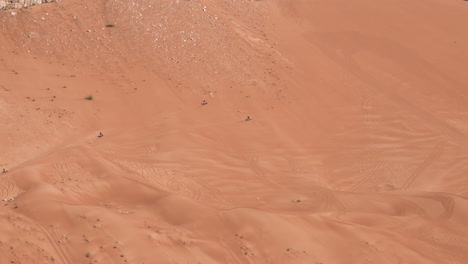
356	151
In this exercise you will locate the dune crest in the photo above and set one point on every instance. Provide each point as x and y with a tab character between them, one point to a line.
356	148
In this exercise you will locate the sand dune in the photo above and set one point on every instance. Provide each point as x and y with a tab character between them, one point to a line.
357	151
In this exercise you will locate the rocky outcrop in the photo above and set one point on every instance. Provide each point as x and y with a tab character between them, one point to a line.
10	4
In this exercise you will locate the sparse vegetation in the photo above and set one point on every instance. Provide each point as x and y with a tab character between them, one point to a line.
89	97
88	254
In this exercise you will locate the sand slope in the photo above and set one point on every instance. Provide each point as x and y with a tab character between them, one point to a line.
357	151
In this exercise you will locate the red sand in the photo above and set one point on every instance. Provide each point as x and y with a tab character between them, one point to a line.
357	151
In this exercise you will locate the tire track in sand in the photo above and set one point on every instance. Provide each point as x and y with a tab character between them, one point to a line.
447	202
172	181
333	201
60	252
449	205
347	62
365	180
436	152
328	197
8	188
255	167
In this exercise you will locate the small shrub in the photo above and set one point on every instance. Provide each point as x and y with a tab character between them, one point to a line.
110	25
88	254
89	97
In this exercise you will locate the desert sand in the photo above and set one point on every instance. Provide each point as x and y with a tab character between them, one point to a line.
357	151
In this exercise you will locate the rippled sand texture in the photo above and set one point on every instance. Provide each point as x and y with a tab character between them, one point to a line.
357	151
